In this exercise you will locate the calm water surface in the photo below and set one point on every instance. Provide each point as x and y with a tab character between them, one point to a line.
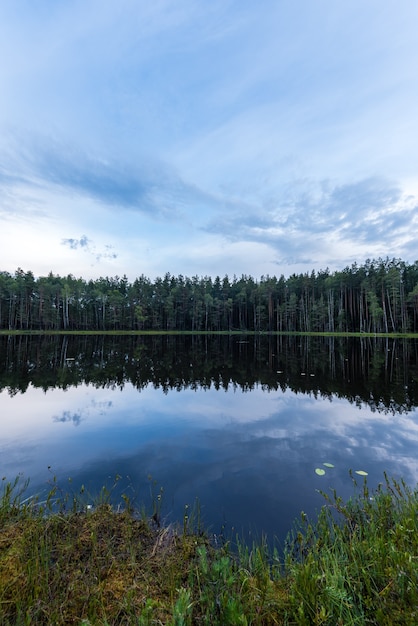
241	423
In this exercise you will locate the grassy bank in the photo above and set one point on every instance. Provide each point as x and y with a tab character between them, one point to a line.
63	563
250	333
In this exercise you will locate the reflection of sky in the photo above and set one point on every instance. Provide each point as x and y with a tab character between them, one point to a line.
249	457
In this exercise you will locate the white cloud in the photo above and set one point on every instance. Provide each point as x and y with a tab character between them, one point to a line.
242	135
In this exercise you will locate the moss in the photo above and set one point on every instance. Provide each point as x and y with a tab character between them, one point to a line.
357	564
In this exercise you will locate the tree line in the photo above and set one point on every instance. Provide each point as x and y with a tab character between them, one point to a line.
378	296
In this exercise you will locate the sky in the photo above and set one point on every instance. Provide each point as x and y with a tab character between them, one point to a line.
207	138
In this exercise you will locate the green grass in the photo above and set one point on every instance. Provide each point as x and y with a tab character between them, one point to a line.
61	563
397	335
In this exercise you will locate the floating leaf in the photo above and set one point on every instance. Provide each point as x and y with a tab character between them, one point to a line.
362	473
328	464
319	471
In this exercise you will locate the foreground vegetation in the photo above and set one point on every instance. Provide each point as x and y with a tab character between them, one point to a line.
63	563
380	296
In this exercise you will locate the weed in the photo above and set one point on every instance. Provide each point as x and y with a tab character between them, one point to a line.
63	563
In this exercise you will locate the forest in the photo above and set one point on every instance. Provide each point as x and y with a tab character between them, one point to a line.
380	296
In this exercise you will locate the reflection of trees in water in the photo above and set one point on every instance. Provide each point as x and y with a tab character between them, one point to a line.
379	372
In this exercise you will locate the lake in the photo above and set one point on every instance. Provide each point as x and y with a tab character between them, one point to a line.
237	423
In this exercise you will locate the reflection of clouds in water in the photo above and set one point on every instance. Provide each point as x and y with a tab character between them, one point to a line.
302	429
101	407
67	416
197	438
299	415
96	408
297	429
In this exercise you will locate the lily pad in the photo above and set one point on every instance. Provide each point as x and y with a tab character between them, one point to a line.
362	473
328	464
319	471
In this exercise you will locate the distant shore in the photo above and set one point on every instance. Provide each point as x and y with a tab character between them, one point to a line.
250	333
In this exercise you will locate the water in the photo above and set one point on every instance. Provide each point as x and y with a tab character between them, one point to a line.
239	423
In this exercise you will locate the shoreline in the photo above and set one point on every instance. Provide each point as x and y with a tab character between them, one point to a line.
357	563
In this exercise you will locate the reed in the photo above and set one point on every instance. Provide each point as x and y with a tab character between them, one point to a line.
64	563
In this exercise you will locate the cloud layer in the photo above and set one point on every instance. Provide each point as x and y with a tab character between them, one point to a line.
225	138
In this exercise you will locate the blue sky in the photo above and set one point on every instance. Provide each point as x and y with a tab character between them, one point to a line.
209	138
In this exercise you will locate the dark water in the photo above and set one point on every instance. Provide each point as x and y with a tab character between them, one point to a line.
241	423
